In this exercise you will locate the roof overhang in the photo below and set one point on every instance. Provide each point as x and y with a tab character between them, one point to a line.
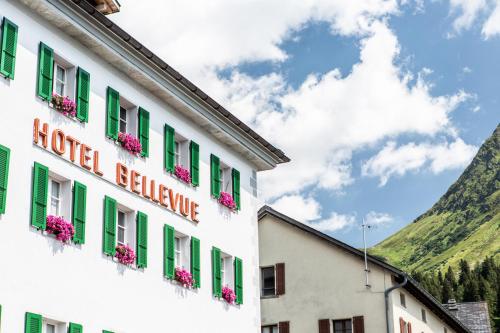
83	22
107	6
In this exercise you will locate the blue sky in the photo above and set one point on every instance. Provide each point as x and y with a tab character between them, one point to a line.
380	104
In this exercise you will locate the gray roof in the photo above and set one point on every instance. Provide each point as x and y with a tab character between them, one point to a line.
474	315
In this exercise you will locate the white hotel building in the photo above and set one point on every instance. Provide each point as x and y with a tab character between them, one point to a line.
80	168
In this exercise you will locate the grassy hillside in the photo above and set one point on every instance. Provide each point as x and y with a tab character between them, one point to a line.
463	224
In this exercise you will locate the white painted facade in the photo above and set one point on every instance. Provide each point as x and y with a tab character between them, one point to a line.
78	283
326	281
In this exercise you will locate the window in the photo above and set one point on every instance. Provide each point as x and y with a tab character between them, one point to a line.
269	329
122	228
55	197
424	316
268	281
445	330
402	299
225	178
125	226
223	271
178	252
49	328
52	326
60	80
127	117
342	326
181	151
123	120
226	270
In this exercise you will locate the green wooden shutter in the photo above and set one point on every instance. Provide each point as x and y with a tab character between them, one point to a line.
82	95
33	323
9	46
45	71
79	212
194	150
110	212
4	176
112	113
143	130
168	251
142	240
39	196
75	328
195	261
236	188
104	331
238	280
216	273
215	176
169	148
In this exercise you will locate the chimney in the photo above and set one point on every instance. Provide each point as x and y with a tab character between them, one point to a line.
452	305
106	7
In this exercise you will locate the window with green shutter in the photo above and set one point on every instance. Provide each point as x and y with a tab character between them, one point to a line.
216	273
33	323
236	188
144	131
79	212
104	331
45	71
142	240
169	148
109	229
168	251
39	196
75	328
4	176
82	95
238	280
112	113
9	47
194	152
195	261
215	176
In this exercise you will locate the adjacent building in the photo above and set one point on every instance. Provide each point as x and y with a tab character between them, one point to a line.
311	282
127	195
474	315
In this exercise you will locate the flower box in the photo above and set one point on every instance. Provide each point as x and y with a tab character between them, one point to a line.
62	229
182	174
227	200
64	104
228	295
130	143
184	277
125	254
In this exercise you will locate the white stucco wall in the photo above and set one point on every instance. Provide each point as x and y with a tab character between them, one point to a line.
326	282
78	283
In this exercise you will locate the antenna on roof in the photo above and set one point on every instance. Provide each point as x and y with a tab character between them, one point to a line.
367	270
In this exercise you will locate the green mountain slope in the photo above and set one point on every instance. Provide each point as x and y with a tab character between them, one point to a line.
463	224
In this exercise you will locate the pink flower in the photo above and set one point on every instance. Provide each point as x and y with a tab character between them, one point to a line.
58	226
125	254
65	105
130	143
227	200
182	174
228	295
184	277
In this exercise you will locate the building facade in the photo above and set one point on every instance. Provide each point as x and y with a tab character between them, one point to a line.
120	183
311	282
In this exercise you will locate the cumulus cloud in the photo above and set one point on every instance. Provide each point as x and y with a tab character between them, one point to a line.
468	12
375	218
297	207
397	161
334	222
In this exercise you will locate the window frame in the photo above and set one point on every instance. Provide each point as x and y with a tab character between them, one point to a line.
424	315
123	227
273	267
58	199
64	83
226	178
178	262
122	120
132	116
402	299
343	322
272	327
59	326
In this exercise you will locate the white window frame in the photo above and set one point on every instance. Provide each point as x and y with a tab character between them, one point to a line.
58	199
226	181
178	252
181	150
130	225
60	327
69	84
123	120
122	227
64	82
131	121
65	195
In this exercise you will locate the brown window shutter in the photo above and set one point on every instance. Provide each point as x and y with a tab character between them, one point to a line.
359	324
324	325
280	279
401	325
409	327
284	327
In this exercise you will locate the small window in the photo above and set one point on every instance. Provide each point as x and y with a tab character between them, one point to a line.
225	178
59	193
178	252
52	326
125	226
128	117
55	197
402	299
226	268
64	81
424	316
269	329
268	281
181	151
60	83
123	120
342	326
122	228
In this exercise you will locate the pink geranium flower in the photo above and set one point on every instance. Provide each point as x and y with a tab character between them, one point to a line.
58	226
65	105
182	174
184	277
228	295
227	200
125	254
130	143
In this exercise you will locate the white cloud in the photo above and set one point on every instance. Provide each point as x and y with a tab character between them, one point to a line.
485	12
397	161
334	222
376	218
297	207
